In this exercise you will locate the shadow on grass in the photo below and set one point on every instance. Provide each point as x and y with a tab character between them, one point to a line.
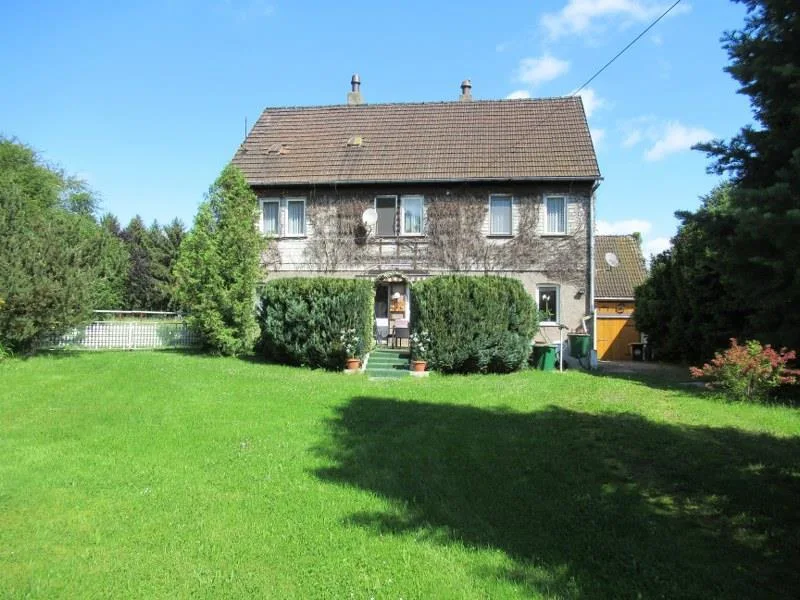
586	505
52	353
204	353
661	376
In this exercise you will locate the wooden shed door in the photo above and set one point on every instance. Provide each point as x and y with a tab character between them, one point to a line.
613	337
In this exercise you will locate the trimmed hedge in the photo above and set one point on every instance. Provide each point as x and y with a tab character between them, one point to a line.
302	319
477	324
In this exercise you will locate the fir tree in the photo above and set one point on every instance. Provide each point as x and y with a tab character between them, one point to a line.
220	265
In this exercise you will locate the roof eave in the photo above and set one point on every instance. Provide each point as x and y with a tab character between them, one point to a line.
616	298
264	183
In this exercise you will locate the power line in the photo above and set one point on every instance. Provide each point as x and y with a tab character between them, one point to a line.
621	52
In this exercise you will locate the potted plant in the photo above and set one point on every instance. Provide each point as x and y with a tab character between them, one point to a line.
351	344
420	348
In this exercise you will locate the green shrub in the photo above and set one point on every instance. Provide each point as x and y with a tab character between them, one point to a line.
477	324
302	320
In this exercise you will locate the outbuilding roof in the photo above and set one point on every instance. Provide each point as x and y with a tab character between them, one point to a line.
617	282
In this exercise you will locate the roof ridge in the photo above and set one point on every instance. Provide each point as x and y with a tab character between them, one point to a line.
424	103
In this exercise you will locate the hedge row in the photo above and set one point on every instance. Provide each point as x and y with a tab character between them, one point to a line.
302	319
477	324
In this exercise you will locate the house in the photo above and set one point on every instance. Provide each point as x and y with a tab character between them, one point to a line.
619	268
399	192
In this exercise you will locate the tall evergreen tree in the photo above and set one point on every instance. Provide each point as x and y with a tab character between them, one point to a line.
141	290
762	267
113	266
164	244
220	265
685	306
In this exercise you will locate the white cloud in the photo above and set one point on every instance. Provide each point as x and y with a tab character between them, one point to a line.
655	246
626	226
598	134
518	94
633	138
579	16
591	101
663	138
535	71
676	137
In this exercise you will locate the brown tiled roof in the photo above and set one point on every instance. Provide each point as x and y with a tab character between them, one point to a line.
440	141
619	281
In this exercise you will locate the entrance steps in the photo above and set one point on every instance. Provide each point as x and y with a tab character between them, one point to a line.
388	363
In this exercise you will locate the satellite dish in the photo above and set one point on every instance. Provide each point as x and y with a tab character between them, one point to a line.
611	259
370	217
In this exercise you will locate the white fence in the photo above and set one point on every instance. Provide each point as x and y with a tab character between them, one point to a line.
127	330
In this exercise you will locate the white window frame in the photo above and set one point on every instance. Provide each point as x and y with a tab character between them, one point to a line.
262	202
565	203
286	219
403	231
396	203
510	232
557	312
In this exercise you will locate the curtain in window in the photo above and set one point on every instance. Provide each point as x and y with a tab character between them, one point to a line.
500	216
412	220
556	215
271	218
297	218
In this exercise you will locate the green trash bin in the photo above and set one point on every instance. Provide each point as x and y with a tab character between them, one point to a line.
544	356
579	344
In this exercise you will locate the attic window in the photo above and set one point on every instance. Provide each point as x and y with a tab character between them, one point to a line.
356	140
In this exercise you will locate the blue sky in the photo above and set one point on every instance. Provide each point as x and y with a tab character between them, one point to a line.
147	100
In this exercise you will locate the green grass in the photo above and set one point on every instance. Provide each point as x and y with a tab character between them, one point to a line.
155	475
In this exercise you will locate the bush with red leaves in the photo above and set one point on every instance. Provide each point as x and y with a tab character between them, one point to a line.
749	372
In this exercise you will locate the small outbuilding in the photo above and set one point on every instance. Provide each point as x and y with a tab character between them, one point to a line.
619	268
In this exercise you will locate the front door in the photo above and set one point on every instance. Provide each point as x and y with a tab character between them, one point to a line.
391	308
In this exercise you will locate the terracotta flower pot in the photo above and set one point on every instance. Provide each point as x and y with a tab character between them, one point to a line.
418	365
353	364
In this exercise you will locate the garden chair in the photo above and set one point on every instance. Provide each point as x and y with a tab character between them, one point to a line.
401	332
381	330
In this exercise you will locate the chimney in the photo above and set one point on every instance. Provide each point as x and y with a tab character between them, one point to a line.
354	96
466	91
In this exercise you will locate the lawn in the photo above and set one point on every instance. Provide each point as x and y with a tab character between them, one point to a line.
155	475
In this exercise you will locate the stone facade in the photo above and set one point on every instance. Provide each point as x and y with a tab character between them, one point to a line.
456	237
